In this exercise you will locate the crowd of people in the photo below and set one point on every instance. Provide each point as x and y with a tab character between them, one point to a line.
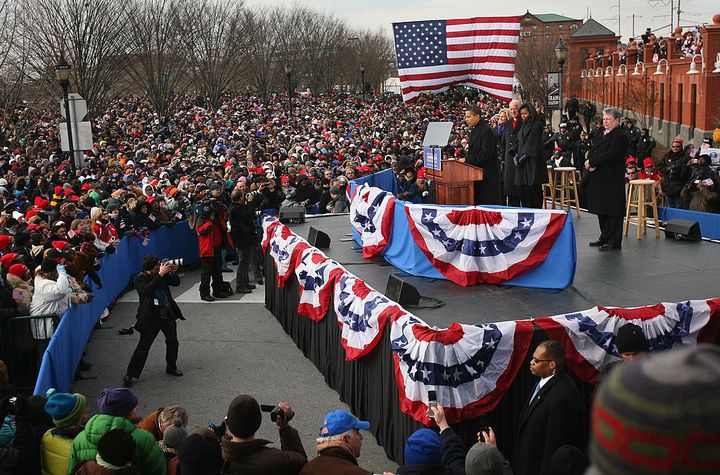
55	434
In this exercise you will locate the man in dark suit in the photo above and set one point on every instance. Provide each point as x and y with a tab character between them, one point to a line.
157	312
552	417
509	145
606	181
482	152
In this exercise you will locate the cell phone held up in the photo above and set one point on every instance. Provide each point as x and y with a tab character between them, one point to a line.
432	403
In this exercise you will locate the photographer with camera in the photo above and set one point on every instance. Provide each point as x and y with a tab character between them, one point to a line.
213	236
246	455
157	312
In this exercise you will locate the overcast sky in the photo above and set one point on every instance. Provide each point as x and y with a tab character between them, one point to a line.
375	14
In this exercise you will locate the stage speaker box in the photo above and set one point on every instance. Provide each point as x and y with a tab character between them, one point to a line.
401	292
318	238
683	230
293	215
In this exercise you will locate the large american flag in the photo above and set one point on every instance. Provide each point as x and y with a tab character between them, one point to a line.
434	55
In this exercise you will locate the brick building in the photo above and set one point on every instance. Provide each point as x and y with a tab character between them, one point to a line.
673	97
546	28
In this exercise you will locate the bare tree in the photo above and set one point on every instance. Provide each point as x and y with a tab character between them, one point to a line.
533	62
90	36
263	54
155	61
214	36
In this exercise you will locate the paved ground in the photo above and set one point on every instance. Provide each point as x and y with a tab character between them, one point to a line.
226	348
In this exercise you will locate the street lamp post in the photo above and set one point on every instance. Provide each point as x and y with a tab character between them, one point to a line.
561	55
288	73
62	73
362	80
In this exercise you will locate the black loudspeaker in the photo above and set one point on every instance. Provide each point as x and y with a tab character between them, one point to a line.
683	230
318	238
401	292
294	215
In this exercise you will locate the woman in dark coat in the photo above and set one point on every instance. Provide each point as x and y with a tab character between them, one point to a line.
509	147
606	181
242	231
530	168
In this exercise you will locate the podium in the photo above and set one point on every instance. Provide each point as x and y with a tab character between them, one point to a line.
455	182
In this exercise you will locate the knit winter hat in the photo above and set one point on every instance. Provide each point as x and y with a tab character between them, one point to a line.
116	447
423	447
660	415
18	270
65	409
174	434
483	459
243	416
631	339
117	402
5	241
199	456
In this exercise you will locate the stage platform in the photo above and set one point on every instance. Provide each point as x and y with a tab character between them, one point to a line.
646	271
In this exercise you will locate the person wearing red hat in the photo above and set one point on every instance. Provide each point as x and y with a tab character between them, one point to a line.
18	279
5	241
8	259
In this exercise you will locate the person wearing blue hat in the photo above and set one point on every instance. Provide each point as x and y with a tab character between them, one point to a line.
429	452
69	414
338	446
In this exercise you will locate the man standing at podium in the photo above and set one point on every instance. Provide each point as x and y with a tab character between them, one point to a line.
482	152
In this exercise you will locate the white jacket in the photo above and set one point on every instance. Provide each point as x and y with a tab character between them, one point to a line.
50	297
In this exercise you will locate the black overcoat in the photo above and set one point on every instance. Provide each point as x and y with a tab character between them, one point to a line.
148	314
510	146
534	169
482	152
606	185
553	419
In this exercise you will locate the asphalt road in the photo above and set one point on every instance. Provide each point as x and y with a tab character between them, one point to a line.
228	347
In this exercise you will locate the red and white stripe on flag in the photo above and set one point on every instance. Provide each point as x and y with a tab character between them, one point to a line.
316	274
361	313
589	336
371	214
469	366
285	248
479	52
471	245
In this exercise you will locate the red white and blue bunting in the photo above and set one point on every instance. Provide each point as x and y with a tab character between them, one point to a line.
285	248
469	366
589	337
316	274
361	314
474	245
371	214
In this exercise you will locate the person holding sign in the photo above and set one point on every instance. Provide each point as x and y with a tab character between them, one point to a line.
482	152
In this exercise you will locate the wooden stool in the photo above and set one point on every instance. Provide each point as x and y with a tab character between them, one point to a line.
568	183
640	187
548	189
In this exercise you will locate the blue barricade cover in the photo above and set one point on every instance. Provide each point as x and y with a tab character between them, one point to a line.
68	342
709	222
385	180
557	271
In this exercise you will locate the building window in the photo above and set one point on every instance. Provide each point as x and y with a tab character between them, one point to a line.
534	27
547	37
547	27
574	26
560	26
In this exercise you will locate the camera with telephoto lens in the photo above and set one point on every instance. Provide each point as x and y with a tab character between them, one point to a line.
276	411
175	262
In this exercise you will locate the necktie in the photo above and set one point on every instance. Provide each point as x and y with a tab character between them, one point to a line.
535	393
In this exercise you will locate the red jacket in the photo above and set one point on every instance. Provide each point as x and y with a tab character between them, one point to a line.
213	235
